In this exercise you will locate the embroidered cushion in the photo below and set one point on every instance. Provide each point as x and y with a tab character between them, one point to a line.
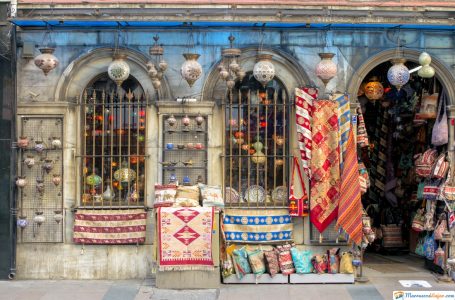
302	260
211	196
271	259
241	264
164	195
257	262
187	196
285	259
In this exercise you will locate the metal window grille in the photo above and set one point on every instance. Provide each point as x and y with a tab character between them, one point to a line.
114	123
257	145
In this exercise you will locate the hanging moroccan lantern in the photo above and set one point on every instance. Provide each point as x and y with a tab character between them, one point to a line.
264	70
46	61
326	69
93	180
398	75
191	70
118	69
258	156
374	89
424	59
229	68
124	174
426	71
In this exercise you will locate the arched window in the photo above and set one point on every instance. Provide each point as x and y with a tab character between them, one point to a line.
114	122
257	144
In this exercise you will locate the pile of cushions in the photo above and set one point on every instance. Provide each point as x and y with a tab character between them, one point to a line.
284	259
188	196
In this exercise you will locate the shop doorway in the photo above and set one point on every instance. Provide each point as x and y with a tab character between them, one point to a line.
399	124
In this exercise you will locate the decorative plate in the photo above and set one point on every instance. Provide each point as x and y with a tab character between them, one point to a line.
232	196
280	194
255	193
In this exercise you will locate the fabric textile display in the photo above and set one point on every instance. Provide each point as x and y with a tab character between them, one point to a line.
185	238
257	261
325	164
106	227
302	260
350	207
392	236
272	264
304	98
241	264
344	122
265	226
164	195
298	207
362	135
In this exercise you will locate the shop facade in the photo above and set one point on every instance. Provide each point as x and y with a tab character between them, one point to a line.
64	105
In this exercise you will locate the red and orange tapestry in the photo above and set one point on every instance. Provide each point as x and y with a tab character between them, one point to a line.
185	238
304	98
325	164
107	227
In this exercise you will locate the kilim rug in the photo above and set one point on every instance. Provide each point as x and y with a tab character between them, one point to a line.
110	226
344	122
325	164
304	98
185	238
257	225
350	202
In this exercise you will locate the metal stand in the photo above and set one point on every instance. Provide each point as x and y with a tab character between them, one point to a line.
360	278
445	267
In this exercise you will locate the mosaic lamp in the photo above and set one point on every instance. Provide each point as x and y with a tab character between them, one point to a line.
118	69
326	69
229	68
46	61
374	89
398	75
191	69
264	70
157	67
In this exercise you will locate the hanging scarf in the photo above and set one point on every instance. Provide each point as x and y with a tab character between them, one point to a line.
362	136
304	98
344	117
350	203
325	164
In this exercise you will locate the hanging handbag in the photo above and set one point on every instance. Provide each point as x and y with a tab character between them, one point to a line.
441	167
440	228
420	250
429	216
418	221
424	162
439	256
440	134
298	207
448	188
429	104
428	246
364	178
431	190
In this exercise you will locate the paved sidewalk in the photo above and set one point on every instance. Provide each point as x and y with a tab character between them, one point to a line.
381	285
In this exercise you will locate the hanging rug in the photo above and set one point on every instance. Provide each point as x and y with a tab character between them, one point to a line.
185	238
257	225
325	164
106	227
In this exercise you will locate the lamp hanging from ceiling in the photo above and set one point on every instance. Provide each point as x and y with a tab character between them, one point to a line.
229	68
158	66
374	89
191	69
426	71
398	74
118	70
263	70
46	61
326	69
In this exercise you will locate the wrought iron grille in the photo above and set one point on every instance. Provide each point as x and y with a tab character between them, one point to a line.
257	144
40	201
114	122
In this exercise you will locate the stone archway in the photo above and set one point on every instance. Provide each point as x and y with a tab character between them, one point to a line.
442	71
287	69
82	70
